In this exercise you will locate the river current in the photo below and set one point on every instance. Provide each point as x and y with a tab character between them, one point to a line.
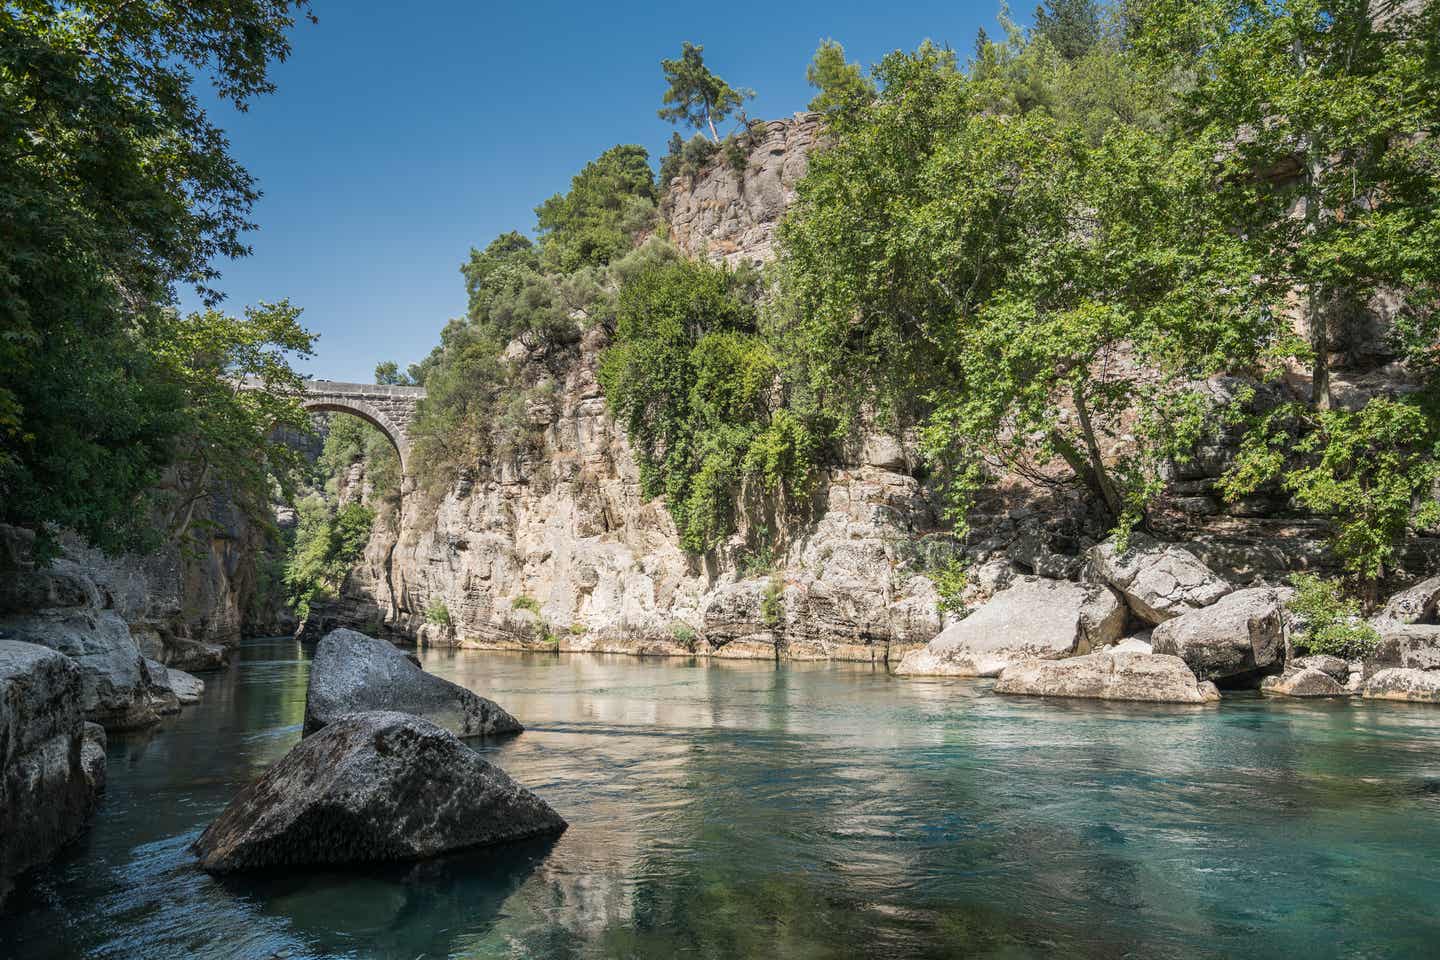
795	811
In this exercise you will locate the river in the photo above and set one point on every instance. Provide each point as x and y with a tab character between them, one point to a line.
796	811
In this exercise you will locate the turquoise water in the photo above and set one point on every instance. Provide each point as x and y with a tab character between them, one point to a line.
798	811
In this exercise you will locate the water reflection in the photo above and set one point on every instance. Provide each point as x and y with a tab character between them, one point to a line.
807	810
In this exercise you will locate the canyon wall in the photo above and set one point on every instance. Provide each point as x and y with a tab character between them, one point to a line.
557	549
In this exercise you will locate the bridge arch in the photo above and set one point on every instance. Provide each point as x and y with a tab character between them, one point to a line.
372	415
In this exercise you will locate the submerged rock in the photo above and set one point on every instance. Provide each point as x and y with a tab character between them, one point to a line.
1159	581
52	763
1304	682
352	673
1404	683
1145	677
1240	633
1033	619
370	787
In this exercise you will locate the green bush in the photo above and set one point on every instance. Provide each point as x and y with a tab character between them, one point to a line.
1328	621
684	635
526	603
438	613
695	384
950	578
772	604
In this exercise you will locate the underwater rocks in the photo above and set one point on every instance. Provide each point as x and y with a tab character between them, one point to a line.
352	673
372	786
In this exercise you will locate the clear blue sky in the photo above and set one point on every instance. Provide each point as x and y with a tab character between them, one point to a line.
403	135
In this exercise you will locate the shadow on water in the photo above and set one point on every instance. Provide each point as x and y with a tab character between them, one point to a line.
389	910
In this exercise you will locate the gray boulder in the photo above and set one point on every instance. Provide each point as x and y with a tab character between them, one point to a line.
1145	677
1418	604
371	787
353	673
1402	683
188	688
1032	619
52	763
1304	682
157	684
1159	581
115	683
1242	632
1336	668
1413	645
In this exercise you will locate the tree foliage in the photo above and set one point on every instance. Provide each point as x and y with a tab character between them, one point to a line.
1071	26
843	87
611	202
115	187
695	385
694	95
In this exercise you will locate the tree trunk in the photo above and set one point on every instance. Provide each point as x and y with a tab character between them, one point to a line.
1315	299
1102	482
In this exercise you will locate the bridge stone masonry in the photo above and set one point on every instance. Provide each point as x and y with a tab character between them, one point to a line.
391	409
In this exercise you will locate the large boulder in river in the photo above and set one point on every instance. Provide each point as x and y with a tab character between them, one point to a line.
52	763
1159	581
1403	683
1145	677
1241	633
352	673
372	787
1032	619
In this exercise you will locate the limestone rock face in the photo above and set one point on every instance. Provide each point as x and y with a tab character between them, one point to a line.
731	216
1401	683
1303	682
1158	580
188	689
372	787
1242	632
52	763
353	673
1033	619
1106	675
1418	604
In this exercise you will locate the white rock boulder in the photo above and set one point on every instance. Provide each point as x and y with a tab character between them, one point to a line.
1032	619
1143	677
1159	581
1242	632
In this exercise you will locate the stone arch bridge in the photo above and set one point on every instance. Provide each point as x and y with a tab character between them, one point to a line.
390	409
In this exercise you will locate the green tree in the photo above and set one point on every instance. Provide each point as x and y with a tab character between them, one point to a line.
388	372
114	188
1315	116
696	96
610	203
1071	26
843	87
1314	125
328	542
